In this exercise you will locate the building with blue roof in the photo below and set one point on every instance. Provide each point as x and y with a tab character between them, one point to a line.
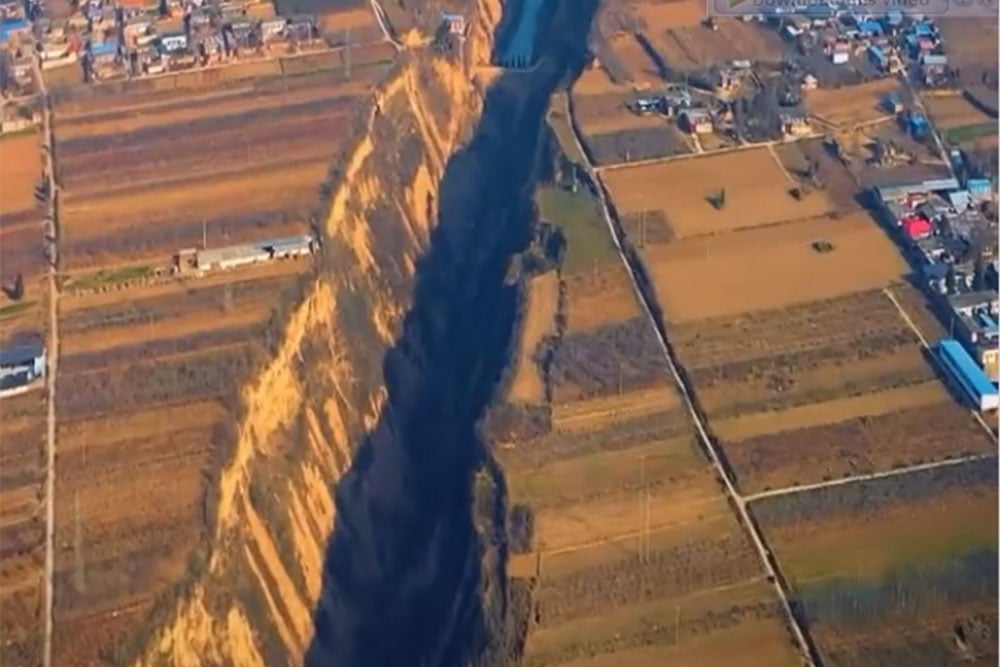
967	375
10	29
979	188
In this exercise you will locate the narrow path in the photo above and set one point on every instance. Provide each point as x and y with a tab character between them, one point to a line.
703	153
51	232
788	490
383	24
923	343
807	651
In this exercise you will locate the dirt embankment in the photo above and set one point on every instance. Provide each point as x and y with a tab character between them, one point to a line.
251	598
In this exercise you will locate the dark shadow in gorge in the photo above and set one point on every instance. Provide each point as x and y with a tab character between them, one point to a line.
401	572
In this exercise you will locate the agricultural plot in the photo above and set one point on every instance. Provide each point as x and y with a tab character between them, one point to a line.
952	112
244	172
851	106
899	570
771	267
21	213
710	194
22	528
771	360
972	51
634	553
149	362
695	47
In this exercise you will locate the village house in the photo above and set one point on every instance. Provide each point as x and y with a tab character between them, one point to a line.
174	42
794	125
302	28
273	30
20	367
696	121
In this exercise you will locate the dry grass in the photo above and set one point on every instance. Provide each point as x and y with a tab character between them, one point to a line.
543	302
828	412
595	81
350	19
20	169
675	14
641	69
261	189
696	46
595	413
600	298
851	105
597	114
771	267
757	192
953	111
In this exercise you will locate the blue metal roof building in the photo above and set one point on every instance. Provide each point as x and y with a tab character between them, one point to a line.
968	375
8	27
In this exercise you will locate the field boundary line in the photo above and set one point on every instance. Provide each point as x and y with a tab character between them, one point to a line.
806	648
790	490
923	342
688	156
51	228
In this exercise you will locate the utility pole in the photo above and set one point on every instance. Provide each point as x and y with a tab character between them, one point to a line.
79	574
204	234
642	509
347	53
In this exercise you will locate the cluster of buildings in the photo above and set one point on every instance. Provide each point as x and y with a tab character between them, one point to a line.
16	50
112	39
950	229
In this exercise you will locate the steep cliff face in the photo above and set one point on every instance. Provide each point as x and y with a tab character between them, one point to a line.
253	601
376	387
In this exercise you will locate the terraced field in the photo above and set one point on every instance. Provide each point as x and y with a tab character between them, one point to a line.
149	359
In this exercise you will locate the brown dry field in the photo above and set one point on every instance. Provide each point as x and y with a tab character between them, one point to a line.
229	101
262	189
20	169
972	48
601	299
109	556
851	105
826	381
597	114
904	434
808	326
595	81
953	111
757	193
539	322
593	413
661	15
771	267
696	46
641	69
836	181
832	411
22	525
351	19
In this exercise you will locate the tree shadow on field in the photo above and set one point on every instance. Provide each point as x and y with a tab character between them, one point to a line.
401	570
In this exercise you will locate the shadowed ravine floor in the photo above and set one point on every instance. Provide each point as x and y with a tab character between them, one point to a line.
401	577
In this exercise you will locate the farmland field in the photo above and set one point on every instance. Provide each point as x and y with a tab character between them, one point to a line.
614	488
954	111
972	50
851	105
149	361
770	267
894	571
22	528
684	46
259	178
716	193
